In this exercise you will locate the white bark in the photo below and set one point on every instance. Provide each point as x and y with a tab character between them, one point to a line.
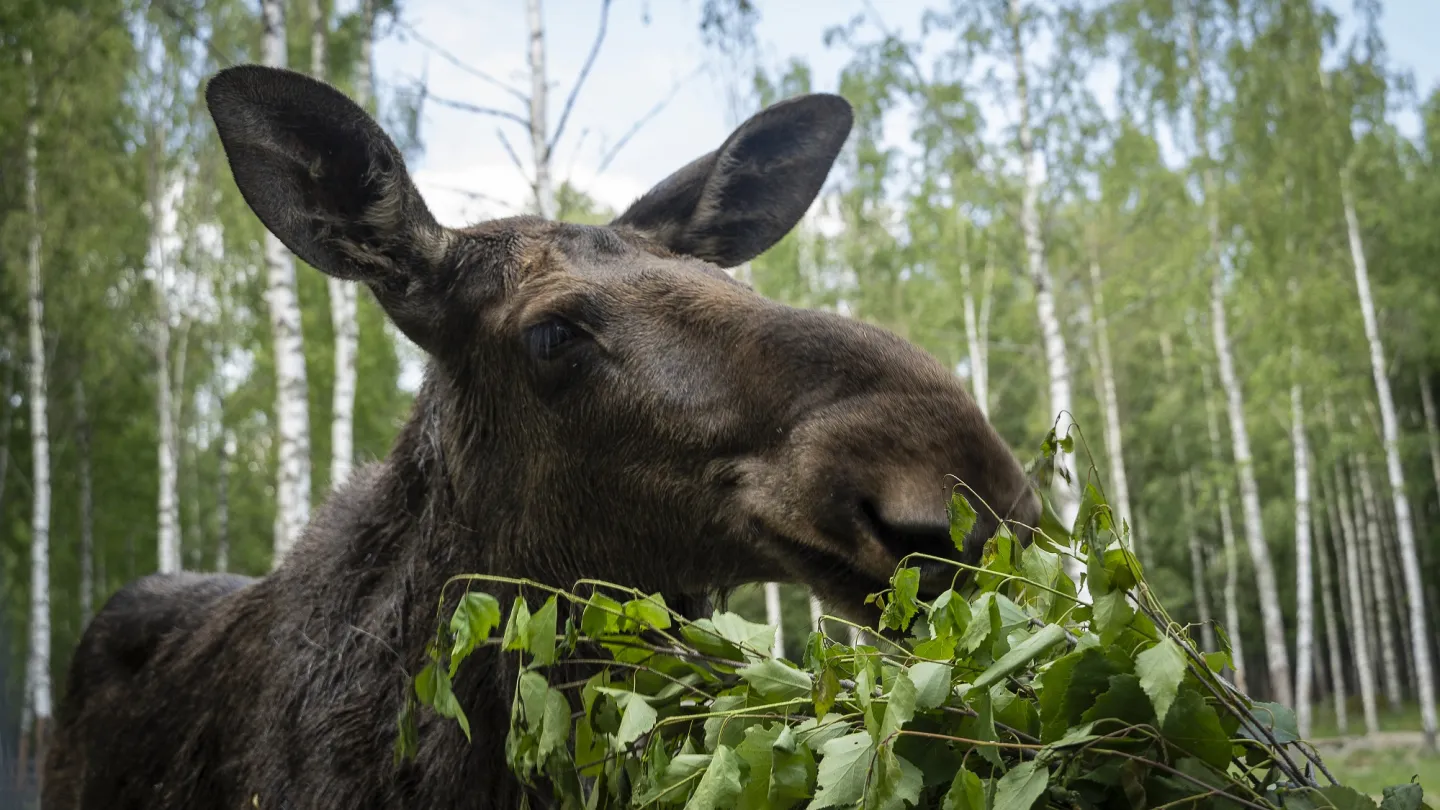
222	503
1057	366
7	413
539	98
343	295
167	499
292	488
817	613
1304	577
1227	534
1359	623
1114	440
1187	511
1379	585
1390	430
87	505
773	616
38	665
1432	431
977	327
1325	540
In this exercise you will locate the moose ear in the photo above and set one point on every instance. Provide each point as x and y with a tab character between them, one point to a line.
324	178
731	205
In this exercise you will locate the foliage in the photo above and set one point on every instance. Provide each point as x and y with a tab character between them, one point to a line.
1000	692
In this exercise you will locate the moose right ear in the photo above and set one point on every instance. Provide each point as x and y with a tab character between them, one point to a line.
325	179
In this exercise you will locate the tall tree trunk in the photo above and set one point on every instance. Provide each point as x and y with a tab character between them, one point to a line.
977	327
167	499
1432	431
773	615
292	490
1379	584
539	104
1187	510
1304	577
343	295
87	505
38	668
7	413
1354	584
1114	441
222	501
1390	430
1326	540
1057	365
1227	534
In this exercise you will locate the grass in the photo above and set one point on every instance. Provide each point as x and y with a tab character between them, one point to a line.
1371	770
1404	718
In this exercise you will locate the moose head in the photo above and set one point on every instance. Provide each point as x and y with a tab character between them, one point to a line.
605	401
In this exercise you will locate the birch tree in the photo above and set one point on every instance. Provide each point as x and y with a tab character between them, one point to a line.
1114	443
38	692
1187	514
168	498
87	503
1379	583
1432	431
292	410
1304	579
1227	533
1354	586
977	325
1326	540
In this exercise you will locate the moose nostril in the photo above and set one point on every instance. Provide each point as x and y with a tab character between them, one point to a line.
905	538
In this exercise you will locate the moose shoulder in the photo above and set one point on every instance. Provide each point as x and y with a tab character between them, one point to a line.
599	402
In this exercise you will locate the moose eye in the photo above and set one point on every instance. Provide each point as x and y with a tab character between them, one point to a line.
549	338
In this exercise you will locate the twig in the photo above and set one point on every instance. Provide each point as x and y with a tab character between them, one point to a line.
584	73
465	106
514	158
645	119
458	63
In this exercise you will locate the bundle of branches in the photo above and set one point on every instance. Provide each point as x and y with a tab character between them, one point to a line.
1006	692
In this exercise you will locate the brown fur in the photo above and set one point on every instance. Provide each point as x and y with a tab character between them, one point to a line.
691	437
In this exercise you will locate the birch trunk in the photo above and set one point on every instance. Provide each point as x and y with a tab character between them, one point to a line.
1324	542
1187	511
977	327
1227	534
343	295
1361	560
1066	491
7	413
38	666
539	103
87	505
292	488
1359	625
1379	585
1432	431
1390	430
1304	577
167	499
222	503
774	616
1114	440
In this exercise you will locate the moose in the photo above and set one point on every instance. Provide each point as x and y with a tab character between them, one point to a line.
599	402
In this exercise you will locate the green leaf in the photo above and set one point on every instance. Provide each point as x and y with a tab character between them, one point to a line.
601	616
982	727
962	519
932	683
637	718
984	620
791	771
752	640
844	763
902	606
1193	726
1122	568
555	731
1276	717
1112	613
1402	797
1346	798
720	785
966	792
516	637
1021	786
477	614
1033	647
894	782
775	679
1124	701
648	613
1161	669
826	689
540	633
427	684
949	615
676	778
899	707
939	649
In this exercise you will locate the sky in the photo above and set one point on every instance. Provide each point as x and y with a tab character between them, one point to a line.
653	52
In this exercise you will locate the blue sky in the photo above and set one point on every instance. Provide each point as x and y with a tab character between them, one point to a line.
643	61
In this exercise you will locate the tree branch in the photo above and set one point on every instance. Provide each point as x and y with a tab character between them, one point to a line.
514	158
584	73
458	63
465	106
645	119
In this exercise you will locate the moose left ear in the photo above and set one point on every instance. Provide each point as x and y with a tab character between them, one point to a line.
731	205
